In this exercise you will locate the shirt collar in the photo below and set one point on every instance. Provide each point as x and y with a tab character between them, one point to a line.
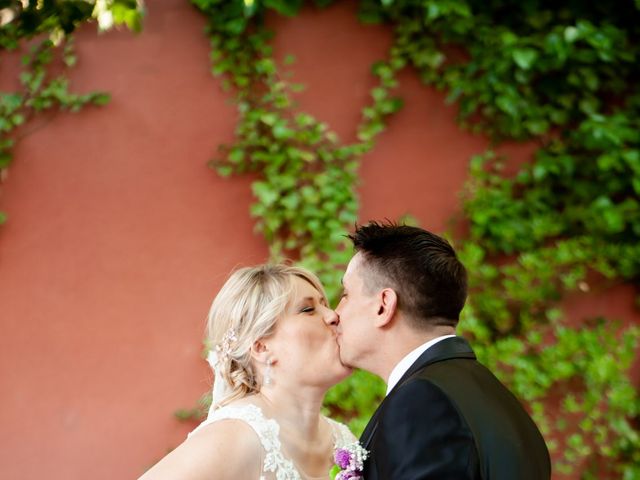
400	369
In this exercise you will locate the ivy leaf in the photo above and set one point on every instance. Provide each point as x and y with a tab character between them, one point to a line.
236	155
379	94
525	57
224	170
281	131
286	7
5	159
537	126
507	104
433	10
269	118
369	13
265	193
101	99
571	34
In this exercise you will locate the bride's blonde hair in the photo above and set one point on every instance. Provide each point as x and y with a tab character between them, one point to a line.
245	310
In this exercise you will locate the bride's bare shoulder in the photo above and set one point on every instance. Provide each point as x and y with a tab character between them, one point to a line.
227	448
225	430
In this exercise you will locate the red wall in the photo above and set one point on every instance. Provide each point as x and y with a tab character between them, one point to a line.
119	235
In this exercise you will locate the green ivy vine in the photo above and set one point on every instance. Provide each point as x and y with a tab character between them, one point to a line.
45	30
561	74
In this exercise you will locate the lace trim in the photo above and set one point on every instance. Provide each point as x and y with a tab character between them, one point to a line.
342	436
268	432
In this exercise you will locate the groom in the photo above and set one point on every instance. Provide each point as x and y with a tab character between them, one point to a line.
445	416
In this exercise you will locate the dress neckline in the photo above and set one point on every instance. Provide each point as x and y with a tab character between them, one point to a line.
268	431
257	409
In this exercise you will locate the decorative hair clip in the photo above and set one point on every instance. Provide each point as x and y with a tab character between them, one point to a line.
224	349
216	358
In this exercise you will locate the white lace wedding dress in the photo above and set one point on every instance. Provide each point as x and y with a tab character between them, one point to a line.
275	465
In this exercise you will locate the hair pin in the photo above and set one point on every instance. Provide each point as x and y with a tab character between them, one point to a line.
224	349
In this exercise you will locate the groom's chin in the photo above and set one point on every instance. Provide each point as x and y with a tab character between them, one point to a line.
345	362
343	358
346	365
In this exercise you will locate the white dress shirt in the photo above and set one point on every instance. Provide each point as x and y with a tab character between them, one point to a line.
401	368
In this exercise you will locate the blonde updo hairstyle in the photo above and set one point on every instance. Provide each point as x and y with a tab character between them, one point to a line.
250	303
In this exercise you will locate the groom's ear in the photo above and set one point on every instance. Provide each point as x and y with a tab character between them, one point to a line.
387	306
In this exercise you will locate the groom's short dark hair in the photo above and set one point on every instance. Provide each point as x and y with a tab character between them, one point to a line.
421	267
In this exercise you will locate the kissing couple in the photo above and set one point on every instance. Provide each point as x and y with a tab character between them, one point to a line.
278	346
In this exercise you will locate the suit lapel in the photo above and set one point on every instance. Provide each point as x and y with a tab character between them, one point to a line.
449	348
369	430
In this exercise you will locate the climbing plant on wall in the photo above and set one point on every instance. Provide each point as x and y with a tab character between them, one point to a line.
305	196
42	31
561	74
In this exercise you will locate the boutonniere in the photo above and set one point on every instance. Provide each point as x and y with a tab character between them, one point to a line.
349	462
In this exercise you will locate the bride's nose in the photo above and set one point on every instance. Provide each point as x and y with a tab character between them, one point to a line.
331	317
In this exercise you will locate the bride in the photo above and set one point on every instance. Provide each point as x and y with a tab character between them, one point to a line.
275	355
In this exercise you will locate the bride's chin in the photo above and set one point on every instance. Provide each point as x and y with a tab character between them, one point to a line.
345	372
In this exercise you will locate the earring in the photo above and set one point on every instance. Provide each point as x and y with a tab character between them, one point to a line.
267	374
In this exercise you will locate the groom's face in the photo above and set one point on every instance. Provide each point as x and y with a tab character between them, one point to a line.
356	311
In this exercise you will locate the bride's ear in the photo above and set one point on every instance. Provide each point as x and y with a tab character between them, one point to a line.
260	351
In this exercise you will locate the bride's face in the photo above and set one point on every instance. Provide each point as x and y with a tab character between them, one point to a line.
304	341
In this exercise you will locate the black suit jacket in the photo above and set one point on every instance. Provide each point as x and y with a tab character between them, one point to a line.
449	418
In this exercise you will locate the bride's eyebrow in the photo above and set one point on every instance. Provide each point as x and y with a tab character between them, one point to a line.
318	299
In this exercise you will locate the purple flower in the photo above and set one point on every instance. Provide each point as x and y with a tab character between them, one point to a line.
348	475
342	457
349	461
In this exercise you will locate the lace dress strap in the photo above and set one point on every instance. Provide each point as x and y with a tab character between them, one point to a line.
267	431
342	436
